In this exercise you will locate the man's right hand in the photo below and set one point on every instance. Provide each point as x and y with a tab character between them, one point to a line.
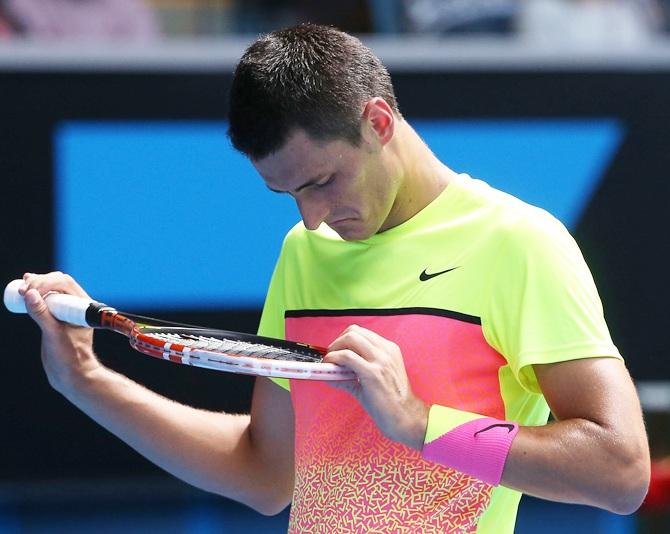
248	458
67	351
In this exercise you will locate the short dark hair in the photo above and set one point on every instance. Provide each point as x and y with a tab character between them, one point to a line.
309	76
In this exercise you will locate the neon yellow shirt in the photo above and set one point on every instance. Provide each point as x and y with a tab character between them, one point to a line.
475	289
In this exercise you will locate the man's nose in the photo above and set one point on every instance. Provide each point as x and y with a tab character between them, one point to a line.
313	212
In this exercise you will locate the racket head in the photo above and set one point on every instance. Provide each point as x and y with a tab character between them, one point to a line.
236	352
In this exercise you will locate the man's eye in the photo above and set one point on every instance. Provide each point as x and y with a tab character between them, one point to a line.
325	182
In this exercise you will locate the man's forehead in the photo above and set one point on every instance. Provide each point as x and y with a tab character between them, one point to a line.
298	161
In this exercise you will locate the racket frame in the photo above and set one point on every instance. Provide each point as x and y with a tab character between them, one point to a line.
99	315
138	329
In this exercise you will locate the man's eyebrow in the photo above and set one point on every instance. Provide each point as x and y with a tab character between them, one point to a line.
309	182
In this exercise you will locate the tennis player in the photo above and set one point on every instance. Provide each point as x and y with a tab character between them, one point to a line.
466	314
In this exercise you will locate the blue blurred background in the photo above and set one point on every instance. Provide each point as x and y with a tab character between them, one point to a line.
177	178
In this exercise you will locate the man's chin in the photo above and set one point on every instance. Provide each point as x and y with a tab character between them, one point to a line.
352	232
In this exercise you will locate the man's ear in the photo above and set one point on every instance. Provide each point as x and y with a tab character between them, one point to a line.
378	122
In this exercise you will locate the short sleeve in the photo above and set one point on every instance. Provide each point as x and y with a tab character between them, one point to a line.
543	305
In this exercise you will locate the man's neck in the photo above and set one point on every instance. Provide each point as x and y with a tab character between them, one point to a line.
423	176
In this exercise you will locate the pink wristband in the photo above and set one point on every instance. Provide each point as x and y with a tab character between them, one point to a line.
470	443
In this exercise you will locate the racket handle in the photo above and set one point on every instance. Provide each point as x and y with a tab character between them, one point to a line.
66	308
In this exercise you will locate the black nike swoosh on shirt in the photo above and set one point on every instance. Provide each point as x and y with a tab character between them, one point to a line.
504	425
427	276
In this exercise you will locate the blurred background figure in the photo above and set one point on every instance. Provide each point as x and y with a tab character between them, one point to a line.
586	21
591	21
665	14
462	16
207	18
210	18
5	29
89	19
354	16
540	21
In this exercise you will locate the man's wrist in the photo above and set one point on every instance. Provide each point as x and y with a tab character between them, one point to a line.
414	430
473	444
83	379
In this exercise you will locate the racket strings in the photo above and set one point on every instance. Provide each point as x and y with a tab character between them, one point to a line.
234	347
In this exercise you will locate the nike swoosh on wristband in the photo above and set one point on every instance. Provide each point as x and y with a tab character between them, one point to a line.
504	425
427	276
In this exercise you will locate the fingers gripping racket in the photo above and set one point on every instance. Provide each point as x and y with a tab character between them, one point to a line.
221	350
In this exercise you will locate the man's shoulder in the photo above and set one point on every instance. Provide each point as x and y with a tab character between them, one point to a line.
295	235
299	236
296	231
510	217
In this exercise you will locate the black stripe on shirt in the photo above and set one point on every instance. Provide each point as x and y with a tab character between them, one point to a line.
385	312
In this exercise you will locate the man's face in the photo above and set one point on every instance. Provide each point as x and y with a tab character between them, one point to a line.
347	187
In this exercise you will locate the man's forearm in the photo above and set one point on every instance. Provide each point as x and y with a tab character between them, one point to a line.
576	460
207	449
595	454
246	458
579	461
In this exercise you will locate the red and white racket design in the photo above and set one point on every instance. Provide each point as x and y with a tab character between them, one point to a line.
221	350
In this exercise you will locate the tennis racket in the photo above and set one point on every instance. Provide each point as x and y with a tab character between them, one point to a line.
221	350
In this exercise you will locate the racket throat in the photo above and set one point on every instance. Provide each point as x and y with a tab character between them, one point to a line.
99	315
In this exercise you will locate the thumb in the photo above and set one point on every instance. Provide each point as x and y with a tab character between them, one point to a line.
38	310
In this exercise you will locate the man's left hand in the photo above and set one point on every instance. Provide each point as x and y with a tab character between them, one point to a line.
382	388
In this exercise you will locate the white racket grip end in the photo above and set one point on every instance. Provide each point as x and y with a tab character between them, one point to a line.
66	308
13	301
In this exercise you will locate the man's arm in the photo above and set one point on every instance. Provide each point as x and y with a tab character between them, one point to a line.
595	454
248	458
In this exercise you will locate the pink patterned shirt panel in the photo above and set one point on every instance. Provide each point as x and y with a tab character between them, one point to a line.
349	477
